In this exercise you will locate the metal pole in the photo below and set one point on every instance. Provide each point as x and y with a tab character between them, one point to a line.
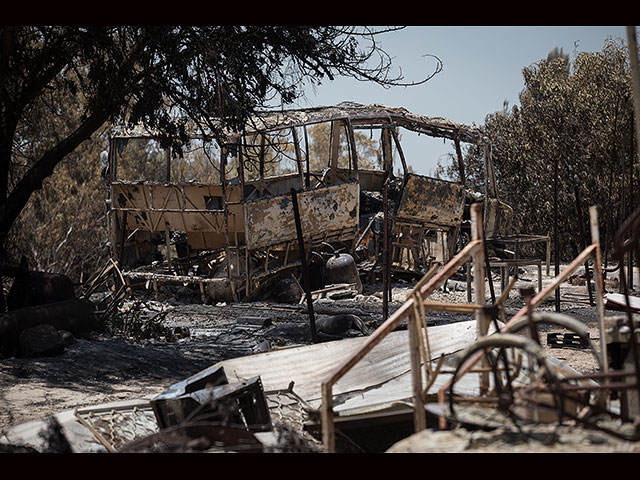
385	250
635	80
386	257
303	261
555	229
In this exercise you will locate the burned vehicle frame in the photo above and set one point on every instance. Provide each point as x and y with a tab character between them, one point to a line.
232	228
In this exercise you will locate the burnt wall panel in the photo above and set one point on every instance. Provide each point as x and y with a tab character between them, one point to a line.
432	201
270	221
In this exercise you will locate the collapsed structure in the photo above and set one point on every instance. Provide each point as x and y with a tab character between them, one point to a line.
223	217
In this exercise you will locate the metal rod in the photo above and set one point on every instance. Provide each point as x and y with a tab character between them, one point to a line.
385	250
599	286
555	229
488	271
303	261
306	158
460	161
386	268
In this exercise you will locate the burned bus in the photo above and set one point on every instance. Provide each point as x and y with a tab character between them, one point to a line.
222	217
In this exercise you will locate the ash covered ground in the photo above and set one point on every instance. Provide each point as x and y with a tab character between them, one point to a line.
175	336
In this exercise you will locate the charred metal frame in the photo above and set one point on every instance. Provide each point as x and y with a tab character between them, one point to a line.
575	389
413	311
251	224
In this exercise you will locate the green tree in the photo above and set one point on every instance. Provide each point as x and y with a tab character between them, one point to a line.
579	114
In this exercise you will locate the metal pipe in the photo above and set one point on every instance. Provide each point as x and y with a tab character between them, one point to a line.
556	246
303	261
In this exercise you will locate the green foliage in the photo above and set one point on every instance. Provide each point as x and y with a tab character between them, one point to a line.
579	114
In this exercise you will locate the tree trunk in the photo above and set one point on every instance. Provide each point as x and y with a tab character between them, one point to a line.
11	207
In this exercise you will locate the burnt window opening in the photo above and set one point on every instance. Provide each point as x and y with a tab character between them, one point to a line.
144	160
213	203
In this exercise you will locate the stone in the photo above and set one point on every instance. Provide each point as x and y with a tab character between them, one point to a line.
40	341
67	337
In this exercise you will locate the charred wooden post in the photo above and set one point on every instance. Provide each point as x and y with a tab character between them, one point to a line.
419	418
303	262
482	320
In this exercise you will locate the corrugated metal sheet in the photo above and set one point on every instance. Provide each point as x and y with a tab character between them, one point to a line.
377	379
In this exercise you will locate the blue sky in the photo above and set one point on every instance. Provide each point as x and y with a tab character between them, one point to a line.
482	67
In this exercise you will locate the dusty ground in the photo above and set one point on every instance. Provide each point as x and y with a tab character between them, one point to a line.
107	368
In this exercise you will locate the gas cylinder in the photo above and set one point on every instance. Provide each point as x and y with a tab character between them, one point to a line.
341	268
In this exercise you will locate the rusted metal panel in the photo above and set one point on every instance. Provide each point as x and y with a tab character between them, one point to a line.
498	217
432	201
193	209
270	221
